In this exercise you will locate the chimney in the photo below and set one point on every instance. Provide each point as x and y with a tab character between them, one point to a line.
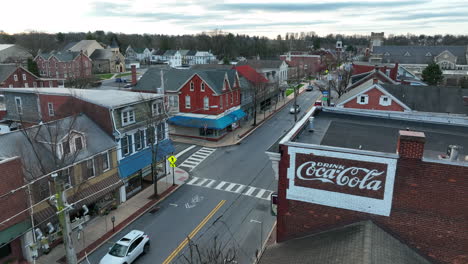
134	78
411	144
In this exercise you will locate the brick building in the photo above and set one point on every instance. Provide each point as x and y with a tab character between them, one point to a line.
64	65
205	104
17	76
11	207
343	174
302	64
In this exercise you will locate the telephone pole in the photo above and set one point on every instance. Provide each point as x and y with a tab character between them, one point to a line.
64	220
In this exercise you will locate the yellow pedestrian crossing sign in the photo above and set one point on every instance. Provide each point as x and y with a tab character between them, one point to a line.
173	165
172	159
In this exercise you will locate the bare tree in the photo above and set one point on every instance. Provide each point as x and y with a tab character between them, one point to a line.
213	254
343	81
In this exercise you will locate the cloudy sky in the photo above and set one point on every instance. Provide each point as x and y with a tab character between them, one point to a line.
254	17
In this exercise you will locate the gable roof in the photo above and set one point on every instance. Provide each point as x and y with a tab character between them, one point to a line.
102	54
183	52
191	53
69	45
175	78
6	70
362	242
438	99
361	78
359	68
5	46
418	53
170	52
114	44
261	64
83	45
61	55
251	74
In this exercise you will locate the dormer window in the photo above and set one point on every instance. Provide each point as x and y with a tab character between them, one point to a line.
78	143
407	54
192	86
386	54
72	143
128	117
66	148
428	54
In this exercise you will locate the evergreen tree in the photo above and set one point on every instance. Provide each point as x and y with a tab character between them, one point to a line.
32	67
432	74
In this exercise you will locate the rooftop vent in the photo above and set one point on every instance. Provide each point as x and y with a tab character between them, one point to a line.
453	152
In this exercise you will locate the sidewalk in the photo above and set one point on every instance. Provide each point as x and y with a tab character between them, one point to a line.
246	128
98	230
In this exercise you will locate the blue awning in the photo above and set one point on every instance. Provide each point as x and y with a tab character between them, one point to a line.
197	122
142	159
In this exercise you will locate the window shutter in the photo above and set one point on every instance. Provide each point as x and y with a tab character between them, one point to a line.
98	166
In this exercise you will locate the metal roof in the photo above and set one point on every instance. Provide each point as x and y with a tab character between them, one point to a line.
418	54
6	70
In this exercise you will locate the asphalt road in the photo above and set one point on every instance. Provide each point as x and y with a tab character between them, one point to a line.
242	222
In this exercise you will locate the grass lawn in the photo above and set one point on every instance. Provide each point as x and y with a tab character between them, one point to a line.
123	74
104	76
289	91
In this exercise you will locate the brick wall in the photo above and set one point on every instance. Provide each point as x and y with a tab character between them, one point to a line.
12	178
28	80
373	102
429	207
79	67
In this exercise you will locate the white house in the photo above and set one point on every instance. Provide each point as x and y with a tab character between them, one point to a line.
204	57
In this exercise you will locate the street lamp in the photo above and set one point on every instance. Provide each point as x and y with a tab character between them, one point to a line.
113	221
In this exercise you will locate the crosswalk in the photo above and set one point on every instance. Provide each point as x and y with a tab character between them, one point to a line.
231	187
196	158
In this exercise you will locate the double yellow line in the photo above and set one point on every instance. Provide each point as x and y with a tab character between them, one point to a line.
193	233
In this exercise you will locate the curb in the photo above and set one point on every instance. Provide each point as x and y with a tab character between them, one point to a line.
265	243
150	204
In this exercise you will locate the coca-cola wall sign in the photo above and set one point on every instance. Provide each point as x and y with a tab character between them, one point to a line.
351	181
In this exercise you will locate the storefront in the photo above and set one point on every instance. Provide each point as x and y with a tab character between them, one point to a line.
10	242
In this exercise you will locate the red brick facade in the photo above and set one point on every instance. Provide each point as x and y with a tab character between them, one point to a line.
79	67
373	102
307	64
24	78
428	212
230	97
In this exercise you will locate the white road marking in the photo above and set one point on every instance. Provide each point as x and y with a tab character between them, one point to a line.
250	191
260	193
196	158
175	205
193	180
229	188
255	221
209	184
219	185
184	151
202	182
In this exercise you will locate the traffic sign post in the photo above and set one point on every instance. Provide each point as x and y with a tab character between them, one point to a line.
172	161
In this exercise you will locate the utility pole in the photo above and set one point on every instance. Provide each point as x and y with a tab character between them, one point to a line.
295	94
329	88
64	220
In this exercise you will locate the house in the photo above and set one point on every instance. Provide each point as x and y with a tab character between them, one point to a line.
391	97
157	57
357	183
204	57
191	59
136	121
87	47
64	65
254	90
11	53
276	71
394	71
204	104
17	76
138	54
85	159
173	58
107	60
304	63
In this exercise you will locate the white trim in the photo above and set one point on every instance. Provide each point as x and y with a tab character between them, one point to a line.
341	200
381	89
382	101
228	111
361	96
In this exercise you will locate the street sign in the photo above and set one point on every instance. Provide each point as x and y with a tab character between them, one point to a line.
173	165
324	98
172	159
325	92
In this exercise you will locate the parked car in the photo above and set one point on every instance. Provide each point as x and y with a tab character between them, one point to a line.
310	88
295	109
128	248
318	103
128	85
120	80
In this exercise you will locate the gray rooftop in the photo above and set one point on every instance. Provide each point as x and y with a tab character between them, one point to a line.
16	143
175	78
261	64
418	53
105	98
61	55
102	54
170	52
362	242
6	70
358	131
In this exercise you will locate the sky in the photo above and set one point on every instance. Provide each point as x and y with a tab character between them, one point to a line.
255	17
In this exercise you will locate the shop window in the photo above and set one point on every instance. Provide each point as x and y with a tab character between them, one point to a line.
5	251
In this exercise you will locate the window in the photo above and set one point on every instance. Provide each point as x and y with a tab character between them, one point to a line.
232	98
407	54
221	102
206	103
15	77
161	131
139	139
157	108
385	100
66	148
187	101
10	86
105	161
65	175
90	168
19	105
35	84
50	83
135	244
26	85
227	100
150	136
24	77
363	99
50	106
202	88
78	143
174	101
128	117
126	145
192	86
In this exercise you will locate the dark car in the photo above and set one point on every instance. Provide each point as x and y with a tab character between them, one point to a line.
309	88
120	80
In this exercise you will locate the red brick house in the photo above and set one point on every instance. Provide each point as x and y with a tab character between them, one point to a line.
371	169
17	76
14	222
204	103
304	64
65	65
390	97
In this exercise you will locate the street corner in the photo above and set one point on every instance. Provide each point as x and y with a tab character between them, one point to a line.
181	175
